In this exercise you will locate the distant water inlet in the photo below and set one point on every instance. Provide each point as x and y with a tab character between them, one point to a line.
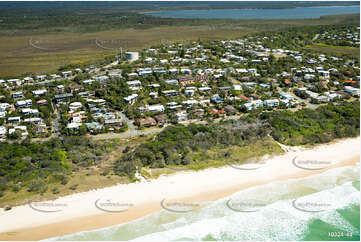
288	13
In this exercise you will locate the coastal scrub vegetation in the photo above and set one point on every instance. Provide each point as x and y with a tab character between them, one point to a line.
177	145
308	126
35	168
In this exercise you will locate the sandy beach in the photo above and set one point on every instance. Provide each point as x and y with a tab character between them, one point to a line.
122	203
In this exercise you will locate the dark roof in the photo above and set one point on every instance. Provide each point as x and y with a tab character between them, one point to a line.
160	117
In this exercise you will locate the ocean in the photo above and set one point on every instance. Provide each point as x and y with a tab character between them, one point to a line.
325	206
288	13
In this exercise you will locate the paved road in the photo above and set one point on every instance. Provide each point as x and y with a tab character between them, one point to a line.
134	132
308	104
111	64
56	122
300	100
316	37
129	123
128	134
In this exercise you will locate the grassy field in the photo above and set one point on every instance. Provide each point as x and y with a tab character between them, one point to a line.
49	52
28	51
331	49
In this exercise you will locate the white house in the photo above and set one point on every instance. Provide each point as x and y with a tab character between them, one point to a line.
286	96
156	108
204	89
324	74
131	56
33	120
39	93
181	115
189	92
101	78
134	85
29	111
14	81
40	77
14	119
173	71
190	103
252	104
186	71
73	126
17	95
75	106
131	99
271	103
23	103
67	73
28	79
2	132
352	90
88	81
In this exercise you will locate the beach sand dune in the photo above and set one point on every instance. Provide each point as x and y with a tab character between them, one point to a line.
114	205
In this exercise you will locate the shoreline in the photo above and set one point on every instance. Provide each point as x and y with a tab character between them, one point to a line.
205	185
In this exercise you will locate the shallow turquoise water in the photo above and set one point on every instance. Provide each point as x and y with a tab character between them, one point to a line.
282	215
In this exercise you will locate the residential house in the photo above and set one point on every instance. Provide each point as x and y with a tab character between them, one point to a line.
33	120
181	116
147	122
271	103
134	85
186	80
204	89
73	126
42	102
17	95
172	82
94	126
352	90
14	119
319	99
173	105
67	73
171	93
62	97
21	128
75	106
14	82
23	103
217	99
155	108
190	103
39	93
2	132
153	95
113	122
101	78
161	118
250	105
230	110
131	99
29	111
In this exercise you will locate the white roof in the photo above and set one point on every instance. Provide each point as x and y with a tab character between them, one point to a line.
134	82
73	125
155	107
